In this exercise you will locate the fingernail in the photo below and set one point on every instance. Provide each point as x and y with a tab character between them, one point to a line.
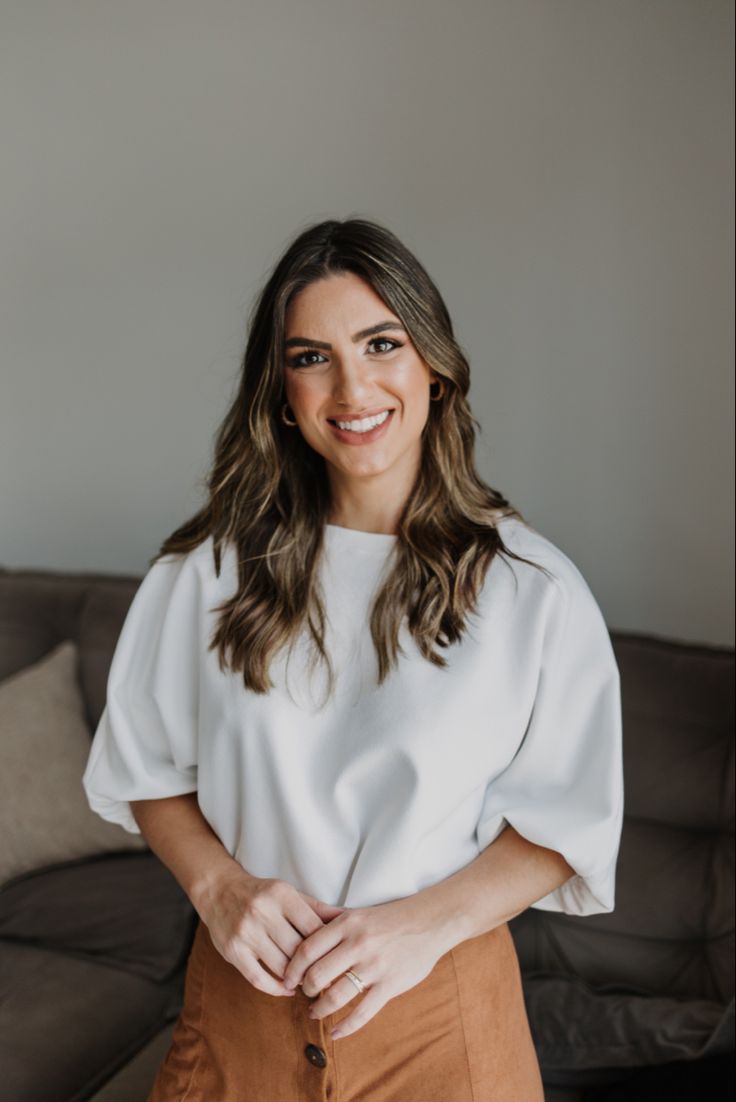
335	1033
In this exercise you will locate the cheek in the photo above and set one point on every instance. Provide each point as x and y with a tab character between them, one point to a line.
414	382
300	395
416	402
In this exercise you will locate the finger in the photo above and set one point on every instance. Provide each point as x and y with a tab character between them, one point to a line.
270	954
276	937
327	911
373	1001
333	997
302	913
326	978
286	938
252	970
246	951
313	949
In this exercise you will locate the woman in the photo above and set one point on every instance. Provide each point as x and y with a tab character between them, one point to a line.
363	712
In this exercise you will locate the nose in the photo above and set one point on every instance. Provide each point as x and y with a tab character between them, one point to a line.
352	384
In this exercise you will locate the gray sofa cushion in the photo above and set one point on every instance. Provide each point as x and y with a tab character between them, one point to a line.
133	1082
579	1027
710	1079
68	1023
44	745
126	911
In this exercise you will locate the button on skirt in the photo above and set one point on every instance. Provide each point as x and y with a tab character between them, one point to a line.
460	1035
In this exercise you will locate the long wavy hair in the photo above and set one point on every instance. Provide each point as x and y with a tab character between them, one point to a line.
268	491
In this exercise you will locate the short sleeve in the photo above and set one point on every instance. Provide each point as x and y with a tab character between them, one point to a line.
145	744
563	789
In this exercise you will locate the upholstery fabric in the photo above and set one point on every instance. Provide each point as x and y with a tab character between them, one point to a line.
577	1025
124	910
44	743
67	1021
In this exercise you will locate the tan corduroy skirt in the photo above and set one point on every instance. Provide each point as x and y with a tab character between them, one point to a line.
460	1035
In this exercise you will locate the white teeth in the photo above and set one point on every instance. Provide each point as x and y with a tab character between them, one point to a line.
365	425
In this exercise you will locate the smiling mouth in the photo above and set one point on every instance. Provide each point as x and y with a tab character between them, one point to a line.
362	416
366	423
360	429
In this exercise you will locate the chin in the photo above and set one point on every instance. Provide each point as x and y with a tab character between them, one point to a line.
361	467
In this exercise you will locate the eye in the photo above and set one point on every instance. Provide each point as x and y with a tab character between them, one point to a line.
296	361
299	360
386	340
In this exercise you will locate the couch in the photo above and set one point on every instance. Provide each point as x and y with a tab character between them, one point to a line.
95	932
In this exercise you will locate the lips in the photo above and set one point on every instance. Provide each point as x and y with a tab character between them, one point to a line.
360	416
357	438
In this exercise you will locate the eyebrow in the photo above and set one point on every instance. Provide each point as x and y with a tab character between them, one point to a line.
371	331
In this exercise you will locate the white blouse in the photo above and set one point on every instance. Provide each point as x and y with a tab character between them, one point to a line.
382	791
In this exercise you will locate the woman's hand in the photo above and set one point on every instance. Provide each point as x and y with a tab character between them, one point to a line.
258	924
391	947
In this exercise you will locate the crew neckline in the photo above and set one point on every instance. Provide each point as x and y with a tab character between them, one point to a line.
356	539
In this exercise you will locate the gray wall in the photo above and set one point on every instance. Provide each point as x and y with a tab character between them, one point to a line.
564	168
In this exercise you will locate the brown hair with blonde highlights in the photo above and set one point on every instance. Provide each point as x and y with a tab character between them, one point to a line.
269	493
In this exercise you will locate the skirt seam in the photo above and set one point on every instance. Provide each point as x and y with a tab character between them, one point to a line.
203	975
462	1025
298	1043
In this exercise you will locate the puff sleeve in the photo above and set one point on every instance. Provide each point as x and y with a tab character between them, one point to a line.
145	744
563	789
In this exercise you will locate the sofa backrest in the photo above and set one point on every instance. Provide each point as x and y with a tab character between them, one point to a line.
39	609
672	930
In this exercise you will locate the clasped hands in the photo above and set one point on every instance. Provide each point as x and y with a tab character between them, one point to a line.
280	938
388	947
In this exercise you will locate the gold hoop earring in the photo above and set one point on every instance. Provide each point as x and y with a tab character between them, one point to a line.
436	397
283	415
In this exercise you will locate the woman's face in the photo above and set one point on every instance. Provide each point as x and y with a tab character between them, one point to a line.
335	370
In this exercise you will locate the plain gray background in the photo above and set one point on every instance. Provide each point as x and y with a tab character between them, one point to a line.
564	169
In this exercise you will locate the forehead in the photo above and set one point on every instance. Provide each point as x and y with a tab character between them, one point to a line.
338	301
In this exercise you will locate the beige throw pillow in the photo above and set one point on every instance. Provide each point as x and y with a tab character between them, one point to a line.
44	746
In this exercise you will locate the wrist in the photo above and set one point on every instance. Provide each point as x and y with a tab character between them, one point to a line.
208	885
434	910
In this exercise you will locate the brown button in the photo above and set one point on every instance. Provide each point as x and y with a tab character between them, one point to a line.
316	1056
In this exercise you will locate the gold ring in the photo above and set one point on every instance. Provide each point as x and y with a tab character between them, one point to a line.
355	979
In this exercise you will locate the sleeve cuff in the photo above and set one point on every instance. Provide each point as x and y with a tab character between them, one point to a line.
119	811
582	895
